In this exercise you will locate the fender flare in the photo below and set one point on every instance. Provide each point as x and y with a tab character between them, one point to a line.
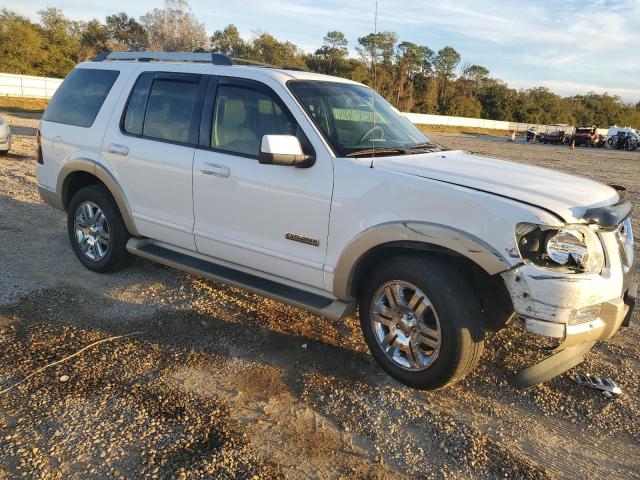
426	233
102	174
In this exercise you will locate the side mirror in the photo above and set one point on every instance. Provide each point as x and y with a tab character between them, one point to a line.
283	150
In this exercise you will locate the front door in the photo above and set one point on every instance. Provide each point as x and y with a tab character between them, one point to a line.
266	217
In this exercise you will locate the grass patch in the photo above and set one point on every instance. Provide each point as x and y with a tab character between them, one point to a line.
22	104
455	129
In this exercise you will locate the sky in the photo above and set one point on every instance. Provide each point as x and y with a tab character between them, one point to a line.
571	46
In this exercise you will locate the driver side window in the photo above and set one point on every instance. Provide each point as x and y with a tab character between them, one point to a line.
242	116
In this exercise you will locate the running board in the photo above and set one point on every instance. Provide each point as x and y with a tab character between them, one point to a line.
319	305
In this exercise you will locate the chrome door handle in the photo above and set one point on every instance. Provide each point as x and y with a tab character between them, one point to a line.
215	169
118	149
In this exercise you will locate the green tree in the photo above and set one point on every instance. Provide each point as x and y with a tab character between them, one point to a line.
413	62
125	33
498	100
21	45
333	52
464	106
472	78
228	42
377	51
94	38
445	63
378	48
62	45
267	49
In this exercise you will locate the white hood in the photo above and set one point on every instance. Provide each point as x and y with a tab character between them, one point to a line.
566	195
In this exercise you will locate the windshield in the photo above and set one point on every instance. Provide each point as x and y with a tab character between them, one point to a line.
344	114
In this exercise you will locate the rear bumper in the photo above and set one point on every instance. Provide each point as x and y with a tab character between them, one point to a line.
5	143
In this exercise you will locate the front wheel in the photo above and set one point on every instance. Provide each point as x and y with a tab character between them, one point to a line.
421	321
96	230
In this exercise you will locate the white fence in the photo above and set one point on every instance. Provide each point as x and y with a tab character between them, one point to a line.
426	119
27	86
42	87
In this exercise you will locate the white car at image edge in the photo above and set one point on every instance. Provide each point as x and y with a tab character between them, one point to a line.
285	183
5	136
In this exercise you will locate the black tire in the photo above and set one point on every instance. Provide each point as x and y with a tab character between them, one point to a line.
4	153
458	310
116	257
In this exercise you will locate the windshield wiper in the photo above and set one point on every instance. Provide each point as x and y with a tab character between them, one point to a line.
422	145
375	151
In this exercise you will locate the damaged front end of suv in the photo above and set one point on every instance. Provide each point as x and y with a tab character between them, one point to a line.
574	284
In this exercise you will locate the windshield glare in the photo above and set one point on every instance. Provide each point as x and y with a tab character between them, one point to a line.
344	114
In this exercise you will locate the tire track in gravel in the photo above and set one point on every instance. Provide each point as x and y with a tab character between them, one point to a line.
555	444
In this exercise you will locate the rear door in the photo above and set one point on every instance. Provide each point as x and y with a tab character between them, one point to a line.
265	217
74	122
150	148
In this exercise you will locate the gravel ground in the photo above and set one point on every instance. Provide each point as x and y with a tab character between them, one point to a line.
219	383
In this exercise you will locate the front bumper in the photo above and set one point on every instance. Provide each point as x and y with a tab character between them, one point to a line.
576	310
578	340
612	315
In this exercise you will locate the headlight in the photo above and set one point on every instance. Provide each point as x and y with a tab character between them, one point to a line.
575	247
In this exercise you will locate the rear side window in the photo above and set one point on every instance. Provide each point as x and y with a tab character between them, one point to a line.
164	107
80	97
134	116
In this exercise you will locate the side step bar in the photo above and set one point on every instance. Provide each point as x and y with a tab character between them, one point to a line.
319	305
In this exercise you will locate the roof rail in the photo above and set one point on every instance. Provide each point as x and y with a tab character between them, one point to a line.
215	58
252	63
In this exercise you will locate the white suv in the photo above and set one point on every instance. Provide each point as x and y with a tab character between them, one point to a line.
286	184
5	137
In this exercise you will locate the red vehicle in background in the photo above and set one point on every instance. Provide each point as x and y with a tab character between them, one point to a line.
553	137
588	136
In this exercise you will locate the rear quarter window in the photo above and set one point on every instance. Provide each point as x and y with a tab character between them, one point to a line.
80	97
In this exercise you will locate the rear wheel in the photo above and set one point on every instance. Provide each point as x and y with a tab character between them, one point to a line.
96	230
421	321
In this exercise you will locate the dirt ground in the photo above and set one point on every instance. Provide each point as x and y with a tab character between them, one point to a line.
219	383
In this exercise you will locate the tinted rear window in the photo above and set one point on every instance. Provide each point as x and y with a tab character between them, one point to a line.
170	110
164	106
80	97
134	116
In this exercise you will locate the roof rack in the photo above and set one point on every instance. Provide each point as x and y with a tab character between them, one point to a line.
215	58
199	57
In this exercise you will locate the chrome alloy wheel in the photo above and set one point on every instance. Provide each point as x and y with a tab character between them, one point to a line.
92	231
406	325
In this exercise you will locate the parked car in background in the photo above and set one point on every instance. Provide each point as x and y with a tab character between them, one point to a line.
613	132
632	143
588	137
531	134
5	137
627	139
553	137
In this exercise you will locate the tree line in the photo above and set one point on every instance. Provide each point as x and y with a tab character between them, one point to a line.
412	77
